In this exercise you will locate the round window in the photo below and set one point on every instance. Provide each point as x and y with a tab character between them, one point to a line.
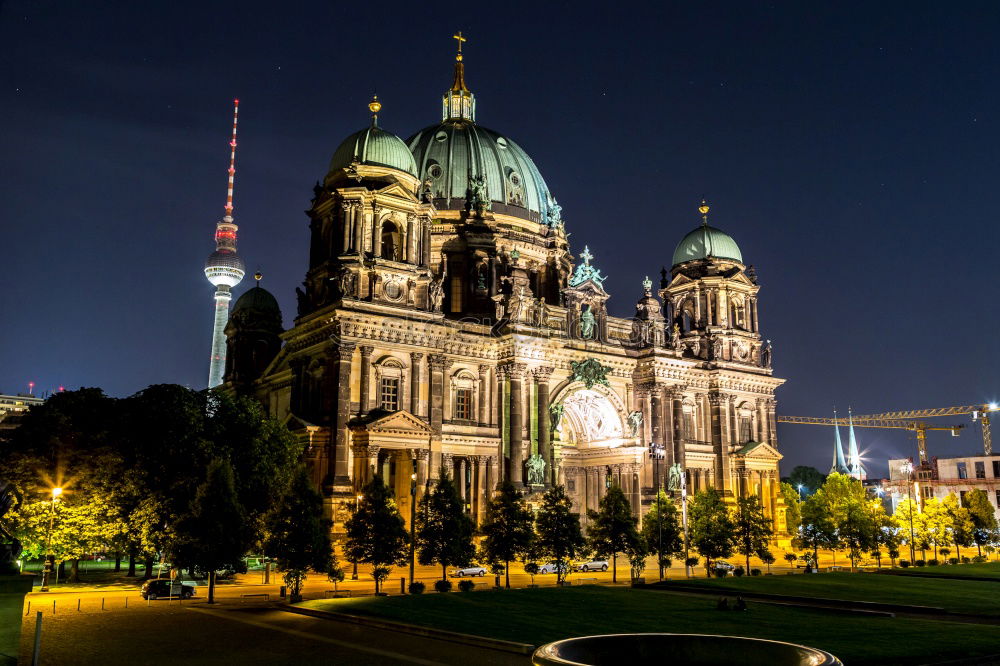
502	142
435	171
514	178
441	136
393	290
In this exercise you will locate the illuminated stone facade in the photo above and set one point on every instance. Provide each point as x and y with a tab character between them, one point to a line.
444	327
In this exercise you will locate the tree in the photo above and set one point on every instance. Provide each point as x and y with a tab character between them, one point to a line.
886	533
961	526
793	506
856	529
376	533
444	531
637	551
662	531
810	478
912	525
767	557
710	527
817	529
558	528
298	536
790	558
613	528
938	524
984	521
752	529
212	535
507	529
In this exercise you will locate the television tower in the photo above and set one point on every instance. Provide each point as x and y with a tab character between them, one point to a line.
224	269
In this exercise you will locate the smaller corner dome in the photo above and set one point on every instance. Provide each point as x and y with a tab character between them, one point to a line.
374	146
707	242
257	299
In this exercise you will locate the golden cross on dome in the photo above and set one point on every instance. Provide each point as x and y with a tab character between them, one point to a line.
703	209
586	255
460	39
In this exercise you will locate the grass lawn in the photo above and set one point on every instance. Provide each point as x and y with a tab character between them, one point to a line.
958	596
984	570
541	615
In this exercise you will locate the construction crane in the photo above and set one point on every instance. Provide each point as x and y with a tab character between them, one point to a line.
978	412
879	421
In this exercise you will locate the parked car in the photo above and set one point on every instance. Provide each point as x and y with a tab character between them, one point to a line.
469	571
594	565
550	568
722	564
161	588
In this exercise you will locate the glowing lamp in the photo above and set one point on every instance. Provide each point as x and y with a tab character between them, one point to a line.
56	492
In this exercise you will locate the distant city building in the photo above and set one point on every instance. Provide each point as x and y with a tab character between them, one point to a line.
12	407
445	329
943	476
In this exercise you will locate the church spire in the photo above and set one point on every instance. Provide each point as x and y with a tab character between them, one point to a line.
853	455
459	103
839	464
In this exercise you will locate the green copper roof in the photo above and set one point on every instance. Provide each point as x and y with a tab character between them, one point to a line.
705	242
257	299
449	155
373	145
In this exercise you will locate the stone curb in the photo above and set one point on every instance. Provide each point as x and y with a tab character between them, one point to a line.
390	625
977	579
841	603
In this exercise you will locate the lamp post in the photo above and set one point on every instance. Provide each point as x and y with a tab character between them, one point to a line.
907	468
657	452
413	522
684	520
354	560
47	569
801	496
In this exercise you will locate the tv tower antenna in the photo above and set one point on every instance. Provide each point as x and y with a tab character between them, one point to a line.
224	269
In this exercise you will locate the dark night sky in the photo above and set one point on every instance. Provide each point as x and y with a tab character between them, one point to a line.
850	149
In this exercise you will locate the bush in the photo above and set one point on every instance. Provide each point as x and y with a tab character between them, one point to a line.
919	563
933	562
904	563
465	585
416	587
442	585
755	572
978	559
945	551
965	560
719	573
952	560
691	562
739	571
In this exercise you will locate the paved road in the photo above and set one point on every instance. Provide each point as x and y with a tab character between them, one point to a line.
234	634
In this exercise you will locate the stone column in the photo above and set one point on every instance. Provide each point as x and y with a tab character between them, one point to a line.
772	423
634	469
677	409
346	218
371	462
376	231
416	381
438	364
447	466
484	374
655	410
642	397
366	371
420	457
482	490
338	471
516	371
460	478
542	376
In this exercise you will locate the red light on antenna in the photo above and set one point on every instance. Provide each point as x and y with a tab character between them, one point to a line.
62	388
236	101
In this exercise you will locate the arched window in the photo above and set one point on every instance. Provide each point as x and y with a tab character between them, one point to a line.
390	241
390	376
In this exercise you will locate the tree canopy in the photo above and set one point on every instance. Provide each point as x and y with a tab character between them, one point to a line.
444	530
508	528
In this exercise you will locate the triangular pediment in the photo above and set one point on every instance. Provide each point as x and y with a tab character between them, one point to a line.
399	423
294	423
759	451
398	191
680	279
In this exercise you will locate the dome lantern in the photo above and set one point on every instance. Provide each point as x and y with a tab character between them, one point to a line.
706	242
459	103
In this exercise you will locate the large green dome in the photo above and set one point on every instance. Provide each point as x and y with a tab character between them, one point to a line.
259	299
374	146
705	242
451	153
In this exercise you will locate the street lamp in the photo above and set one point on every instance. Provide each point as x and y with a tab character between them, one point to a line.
801	496
657	452
413	521
47	569
907	468
684	520
354	570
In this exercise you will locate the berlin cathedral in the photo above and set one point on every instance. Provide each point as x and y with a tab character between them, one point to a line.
444	327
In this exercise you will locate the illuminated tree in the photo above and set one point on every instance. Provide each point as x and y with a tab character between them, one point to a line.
508	529
984	521
752	529
613	528
376	533
444	530
711	527
662	531
558	529
793	506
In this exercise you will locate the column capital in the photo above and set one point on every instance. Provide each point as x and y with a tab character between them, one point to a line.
416	357
420	454
484	370
342	351
543	373
513	370
363	451
447	459
366	351
438	362
716	399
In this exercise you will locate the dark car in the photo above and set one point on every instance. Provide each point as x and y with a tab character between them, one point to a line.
163	589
